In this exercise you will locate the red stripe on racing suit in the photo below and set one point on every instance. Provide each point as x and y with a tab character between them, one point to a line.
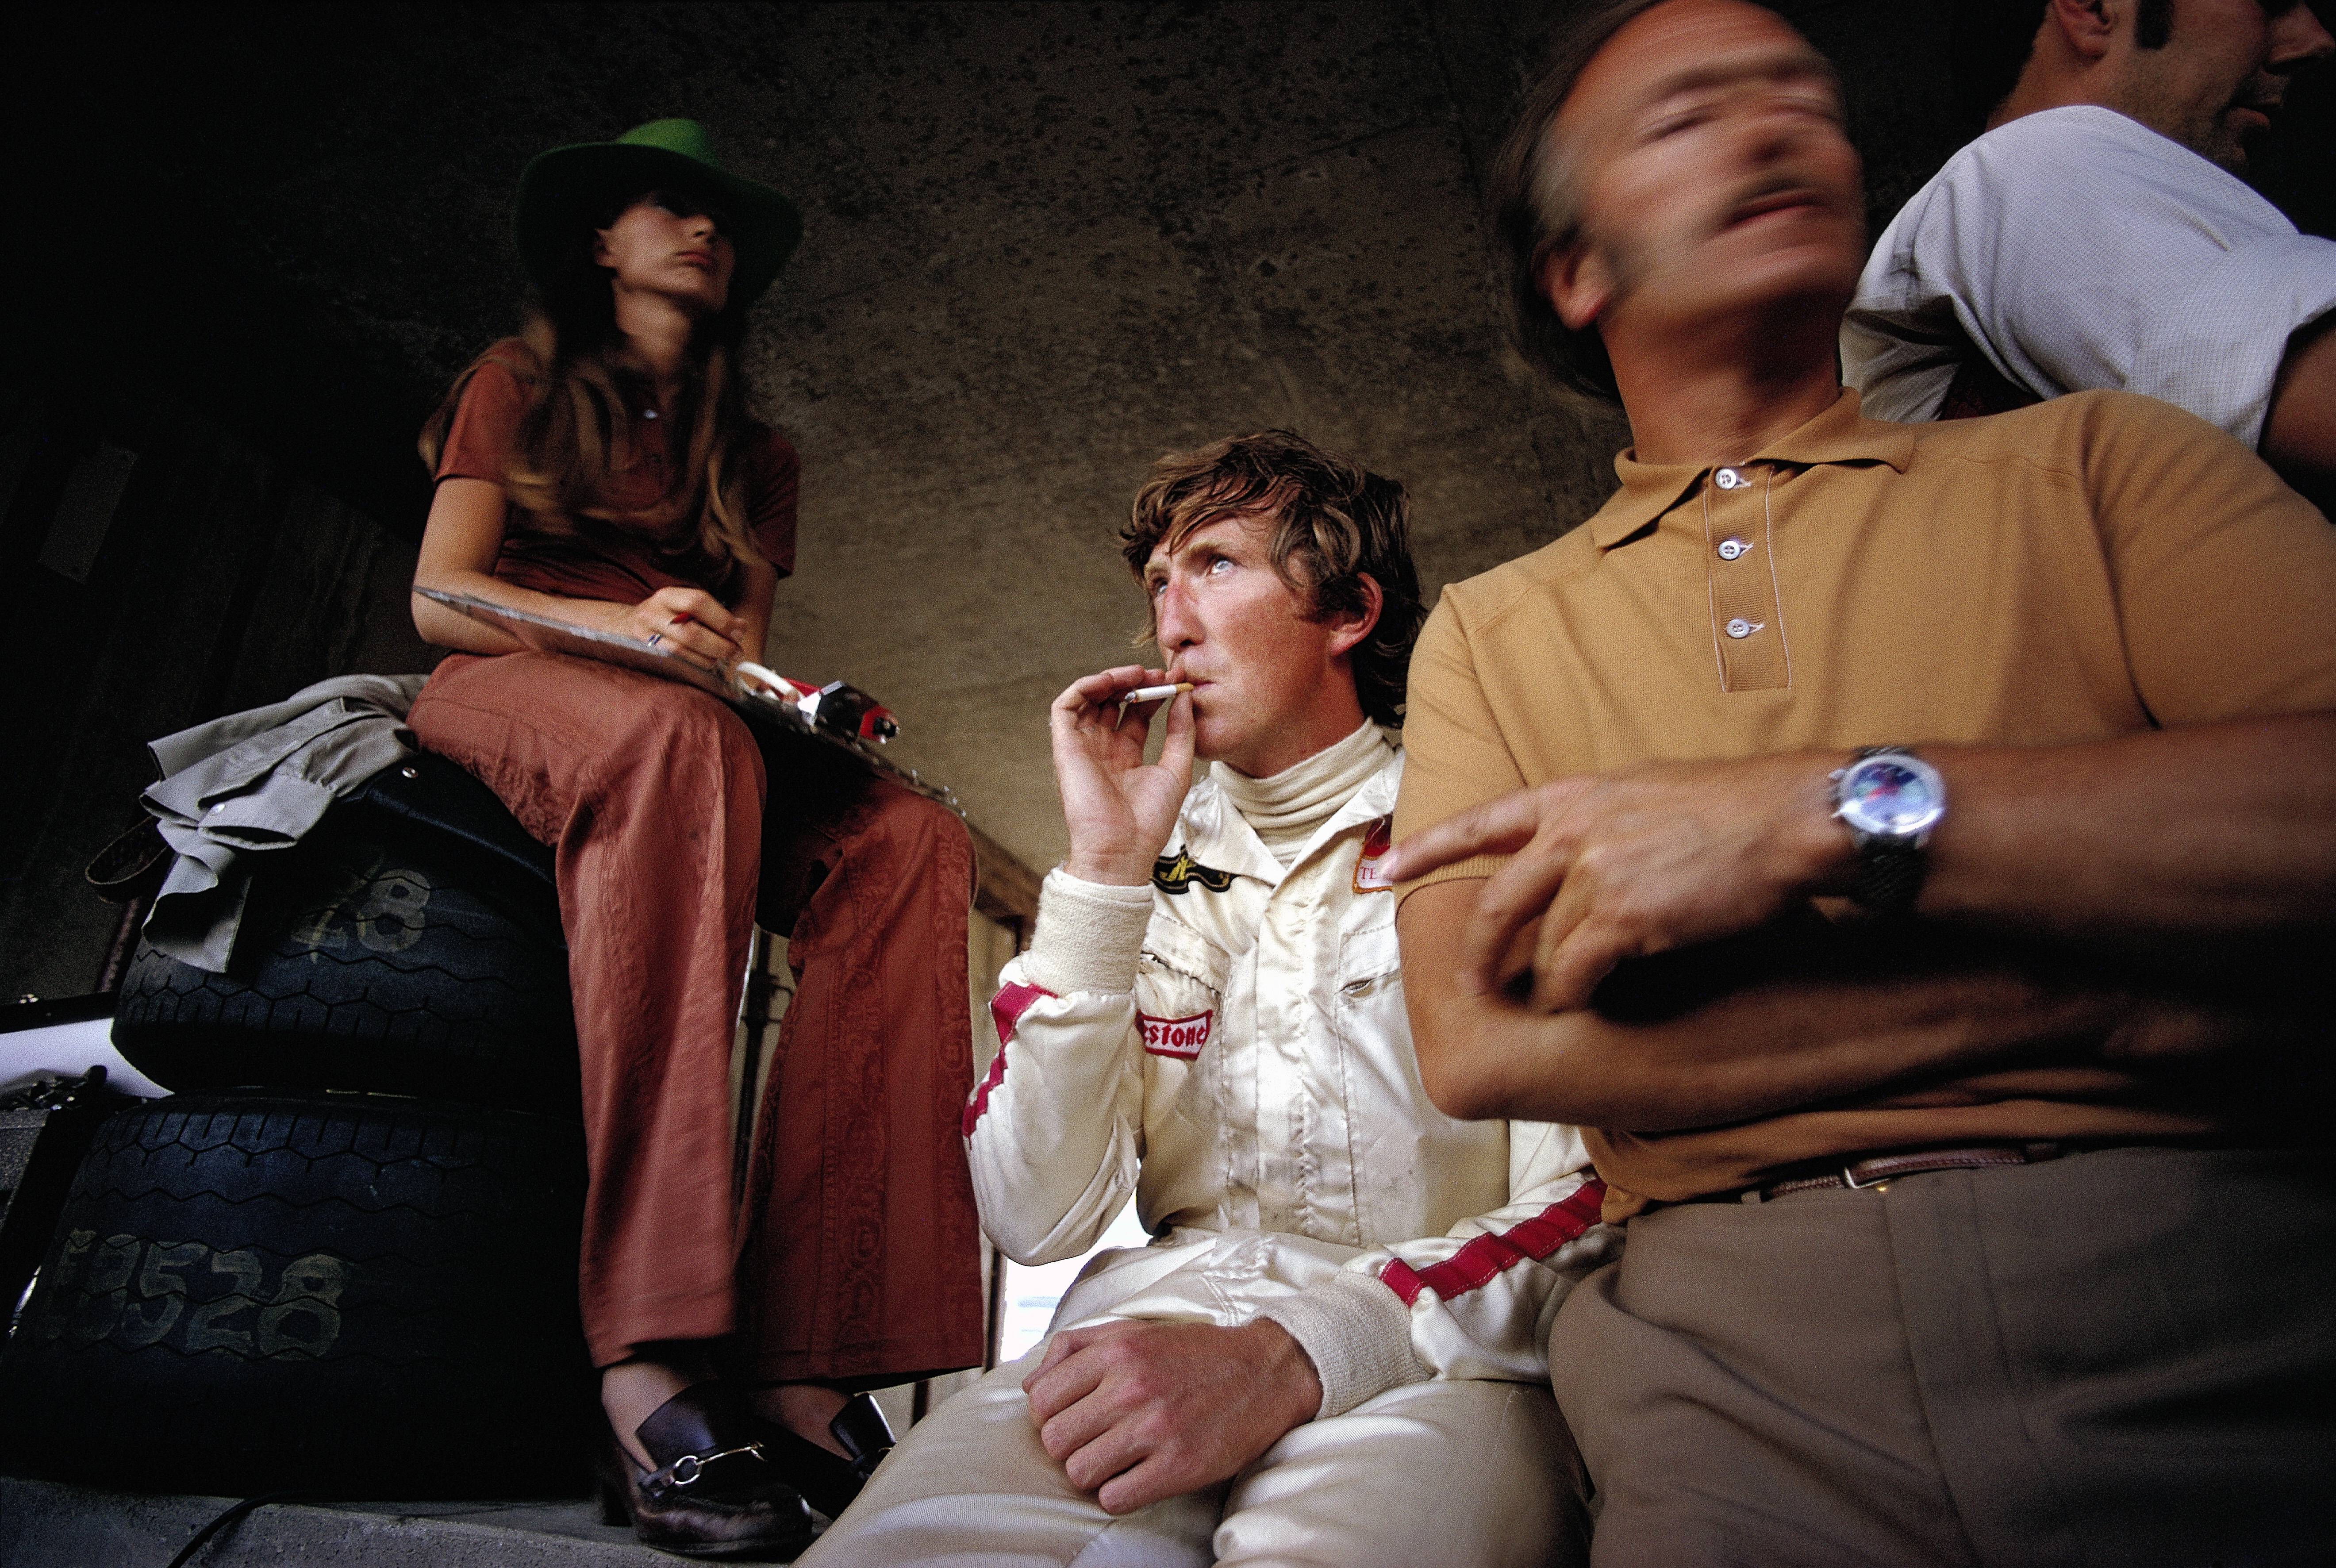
1005	1011
1486	1256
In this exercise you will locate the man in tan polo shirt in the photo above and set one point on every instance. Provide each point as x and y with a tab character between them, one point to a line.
1966	1102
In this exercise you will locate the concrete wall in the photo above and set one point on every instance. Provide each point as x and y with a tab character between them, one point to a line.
163	571
1045	241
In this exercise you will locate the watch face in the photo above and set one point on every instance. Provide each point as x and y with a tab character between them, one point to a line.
1896	797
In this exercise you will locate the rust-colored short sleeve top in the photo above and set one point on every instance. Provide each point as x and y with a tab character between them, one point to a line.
602	561
2093	566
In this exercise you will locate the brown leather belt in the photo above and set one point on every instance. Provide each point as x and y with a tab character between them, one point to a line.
1873	1169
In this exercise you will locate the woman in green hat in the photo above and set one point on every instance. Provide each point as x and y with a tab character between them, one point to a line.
602	469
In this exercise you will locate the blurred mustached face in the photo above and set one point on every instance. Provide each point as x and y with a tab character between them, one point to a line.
1704	151
1270	686
668	244
2223	71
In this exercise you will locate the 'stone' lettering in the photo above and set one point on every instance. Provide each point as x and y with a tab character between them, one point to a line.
1180	1037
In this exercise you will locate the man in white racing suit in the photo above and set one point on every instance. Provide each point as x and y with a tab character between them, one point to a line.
1331	1352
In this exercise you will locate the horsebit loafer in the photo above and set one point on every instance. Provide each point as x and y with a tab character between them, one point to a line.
714	1490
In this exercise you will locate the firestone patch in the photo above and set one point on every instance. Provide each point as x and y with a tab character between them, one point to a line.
1180	1037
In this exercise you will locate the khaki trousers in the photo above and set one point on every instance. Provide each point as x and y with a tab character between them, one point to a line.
2123	1358
853	1253
1468	1474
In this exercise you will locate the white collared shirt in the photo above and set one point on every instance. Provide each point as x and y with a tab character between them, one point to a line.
2076	249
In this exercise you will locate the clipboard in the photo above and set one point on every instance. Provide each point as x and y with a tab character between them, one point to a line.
836	715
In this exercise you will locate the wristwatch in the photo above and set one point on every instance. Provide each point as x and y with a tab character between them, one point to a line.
1891	801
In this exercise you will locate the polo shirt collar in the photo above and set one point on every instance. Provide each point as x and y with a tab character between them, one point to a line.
1839	435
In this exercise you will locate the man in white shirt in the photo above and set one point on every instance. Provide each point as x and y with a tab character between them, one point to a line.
1332	1350
2098	236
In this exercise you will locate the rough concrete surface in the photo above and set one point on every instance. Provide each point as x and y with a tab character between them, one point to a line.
43	1525
1043	243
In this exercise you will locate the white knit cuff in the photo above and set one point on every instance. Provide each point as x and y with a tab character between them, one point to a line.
1089	935
1358	1335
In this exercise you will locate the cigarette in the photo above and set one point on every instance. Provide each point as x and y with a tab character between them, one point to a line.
1128	699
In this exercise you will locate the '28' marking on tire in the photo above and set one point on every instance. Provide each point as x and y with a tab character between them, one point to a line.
382	905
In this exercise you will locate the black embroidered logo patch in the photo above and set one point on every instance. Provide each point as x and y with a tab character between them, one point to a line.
1174	873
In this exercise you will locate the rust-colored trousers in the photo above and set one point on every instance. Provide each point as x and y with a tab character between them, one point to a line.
853	1253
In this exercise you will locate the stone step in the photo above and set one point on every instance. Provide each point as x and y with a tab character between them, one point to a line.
46	1524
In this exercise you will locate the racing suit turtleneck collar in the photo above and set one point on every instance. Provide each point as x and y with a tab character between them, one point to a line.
1285	808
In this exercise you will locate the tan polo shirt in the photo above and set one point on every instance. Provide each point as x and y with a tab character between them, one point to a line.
2095	565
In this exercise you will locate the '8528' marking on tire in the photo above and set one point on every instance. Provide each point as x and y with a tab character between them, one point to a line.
135	1293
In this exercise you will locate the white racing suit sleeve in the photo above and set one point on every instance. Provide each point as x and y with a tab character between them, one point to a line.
1475	1303
1054	1130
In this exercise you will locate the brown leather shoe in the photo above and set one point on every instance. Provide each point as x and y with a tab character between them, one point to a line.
828	1482
714	1493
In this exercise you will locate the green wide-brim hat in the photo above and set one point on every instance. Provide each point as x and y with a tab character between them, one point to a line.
567	189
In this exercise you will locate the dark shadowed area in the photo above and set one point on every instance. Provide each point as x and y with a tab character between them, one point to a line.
250	246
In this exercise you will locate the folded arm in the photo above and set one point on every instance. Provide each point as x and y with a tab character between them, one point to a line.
2298	437
2148	845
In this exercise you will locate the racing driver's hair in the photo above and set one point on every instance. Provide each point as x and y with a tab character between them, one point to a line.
1335	523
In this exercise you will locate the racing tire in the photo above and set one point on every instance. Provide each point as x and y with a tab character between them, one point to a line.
379	955
352	1295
